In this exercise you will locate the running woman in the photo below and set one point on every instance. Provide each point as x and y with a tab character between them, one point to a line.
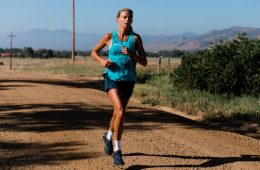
125	51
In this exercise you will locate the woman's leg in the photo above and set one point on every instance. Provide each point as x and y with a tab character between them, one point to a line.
111	125
116	123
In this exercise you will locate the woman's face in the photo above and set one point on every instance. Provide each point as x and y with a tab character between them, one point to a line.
125	19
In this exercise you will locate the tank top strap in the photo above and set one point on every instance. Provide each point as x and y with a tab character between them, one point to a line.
131	36
132	33
114	35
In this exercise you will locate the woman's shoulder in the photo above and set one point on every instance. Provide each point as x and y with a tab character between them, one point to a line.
108	36
137	37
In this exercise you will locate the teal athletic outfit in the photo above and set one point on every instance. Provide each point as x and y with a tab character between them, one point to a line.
122	73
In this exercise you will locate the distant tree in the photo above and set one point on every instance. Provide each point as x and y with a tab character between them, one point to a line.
41	53
28	52
173	53
62	54
83	53
50	53
2	50
44	53
20	55
152	54
16	50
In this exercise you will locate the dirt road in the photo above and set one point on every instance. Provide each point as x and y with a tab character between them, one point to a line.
50	122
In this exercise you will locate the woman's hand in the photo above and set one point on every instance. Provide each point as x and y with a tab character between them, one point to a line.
105	63
125	51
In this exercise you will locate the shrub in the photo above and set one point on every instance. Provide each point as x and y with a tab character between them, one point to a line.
231	67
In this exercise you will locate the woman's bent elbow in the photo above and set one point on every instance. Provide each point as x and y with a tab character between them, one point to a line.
92	53
144	63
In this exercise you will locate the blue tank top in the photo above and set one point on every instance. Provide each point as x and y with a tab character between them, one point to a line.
123	67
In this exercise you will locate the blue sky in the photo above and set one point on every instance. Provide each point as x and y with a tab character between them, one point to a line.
151	17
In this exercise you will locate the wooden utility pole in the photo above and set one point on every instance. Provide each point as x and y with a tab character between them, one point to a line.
73	32
11	52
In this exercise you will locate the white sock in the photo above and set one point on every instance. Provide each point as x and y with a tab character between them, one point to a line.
109	135
117	145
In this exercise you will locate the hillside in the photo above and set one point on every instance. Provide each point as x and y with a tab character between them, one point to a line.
61	39
198	42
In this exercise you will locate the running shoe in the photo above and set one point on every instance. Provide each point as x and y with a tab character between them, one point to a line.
108	145
117	157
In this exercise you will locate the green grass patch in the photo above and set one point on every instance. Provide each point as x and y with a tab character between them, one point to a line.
159	89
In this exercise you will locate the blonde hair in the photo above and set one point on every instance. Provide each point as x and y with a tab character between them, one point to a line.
125	9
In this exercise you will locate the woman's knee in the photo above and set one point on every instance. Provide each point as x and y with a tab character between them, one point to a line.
119	112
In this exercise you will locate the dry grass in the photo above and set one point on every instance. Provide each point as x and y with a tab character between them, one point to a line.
156	89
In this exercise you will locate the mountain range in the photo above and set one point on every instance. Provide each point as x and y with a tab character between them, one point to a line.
198	42
61	39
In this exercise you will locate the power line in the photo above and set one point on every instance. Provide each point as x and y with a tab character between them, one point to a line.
11	53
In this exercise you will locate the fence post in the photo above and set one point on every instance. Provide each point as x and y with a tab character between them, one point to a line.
169	61
159	72
159	64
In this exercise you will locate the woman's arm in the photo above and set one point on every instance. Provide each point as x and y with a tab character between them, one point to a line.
141	58
101	44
